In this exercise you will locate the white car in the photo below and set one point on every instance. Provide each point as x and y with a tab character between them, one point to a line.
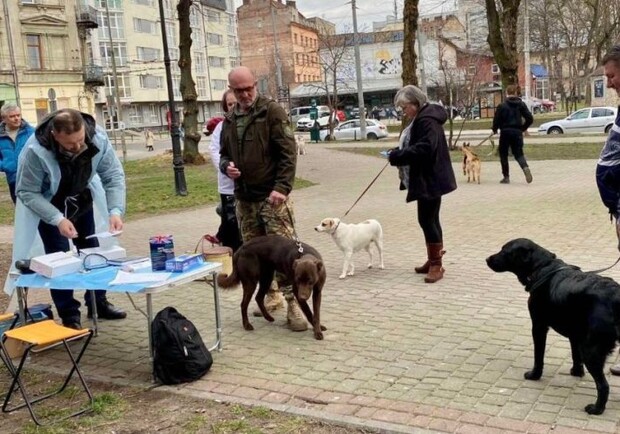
350	130
586	120
305	123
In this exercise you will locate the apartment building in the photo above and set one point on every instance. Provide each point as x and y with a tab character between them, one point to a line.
132	30
280	45
40	61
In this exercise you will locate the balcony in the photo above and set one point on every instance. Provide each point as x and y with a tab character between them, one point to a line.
86	15
93	75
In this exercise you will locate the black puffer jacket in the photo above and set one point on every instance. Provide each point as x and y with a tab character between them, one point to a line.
430	169
512	114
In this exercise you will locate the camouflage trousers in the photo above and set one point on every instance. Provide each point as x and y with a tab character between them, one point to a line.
262	218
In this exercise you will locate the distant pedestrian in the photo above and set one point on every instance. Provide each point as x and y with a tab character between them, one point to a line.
14	132
150	139
425	170
512	118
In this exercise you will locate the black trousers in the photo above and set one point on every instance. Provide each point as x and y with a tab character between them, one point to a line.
69	308
428	218
228	232
511	139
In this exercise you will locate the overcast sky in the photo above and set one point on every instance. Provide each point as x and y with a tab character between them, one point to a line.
339	11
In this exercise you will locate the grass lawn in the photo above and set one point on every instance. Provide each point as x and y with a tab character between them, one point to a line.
150	189
555	151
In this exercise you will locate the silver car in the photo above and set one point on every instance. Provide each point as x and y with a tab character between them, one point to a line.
351	130
586	120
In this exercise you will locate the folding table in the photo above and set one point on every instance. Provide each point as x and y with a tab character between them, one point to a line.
101	278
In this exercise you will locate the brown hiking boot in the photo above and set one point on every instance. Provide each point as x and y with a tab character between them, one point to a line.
435	272
294	316
273	301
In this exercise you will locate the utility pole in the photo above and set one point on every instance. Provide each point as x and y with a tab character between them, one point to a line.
276	52
358	73
526	53
119	111
9	35
418	36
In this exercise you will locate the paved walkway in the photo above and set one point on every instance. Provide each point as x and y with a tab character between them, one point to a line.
398	355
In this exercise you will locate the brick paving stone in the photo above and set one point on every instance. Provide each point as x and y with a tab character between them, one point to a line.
462	344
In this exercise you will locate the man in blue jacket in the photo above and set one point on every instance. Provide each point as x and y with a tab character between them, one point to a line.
14	132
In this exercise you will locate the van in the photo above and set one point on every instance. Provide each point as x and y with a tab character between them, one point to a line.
304	112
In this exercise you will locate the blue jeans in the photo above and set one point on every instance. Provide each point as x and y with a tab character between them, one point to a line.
69	308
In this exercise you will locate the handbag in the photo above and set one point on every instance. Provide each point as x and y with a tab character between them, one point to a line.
211	252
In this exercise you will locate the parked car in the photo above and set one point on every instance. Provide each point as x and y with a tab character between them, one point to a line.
304	112
350	130
586	120
305	123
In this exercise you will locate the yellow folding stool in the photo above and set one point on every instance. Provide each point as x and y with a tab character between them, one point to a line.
35	338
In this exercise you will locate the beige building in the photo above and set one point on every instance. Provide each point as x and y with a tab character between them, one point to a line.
134	32
40	61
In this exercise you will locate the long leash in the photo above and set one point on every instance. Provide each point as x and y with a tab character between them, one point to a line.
606	268
484	140
366	189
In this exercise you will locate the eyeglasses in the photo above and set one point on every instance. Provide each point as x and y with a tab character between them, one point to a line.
238	90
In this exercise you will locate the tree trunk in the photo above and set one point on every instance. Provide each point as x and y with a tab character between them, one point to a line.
408	56
188	88
503	38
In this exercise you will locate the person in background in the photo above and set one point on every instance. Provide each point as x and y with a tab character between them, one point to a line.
14	132
512	118
260	154
608	165
55	186
425	170
150	139
228	232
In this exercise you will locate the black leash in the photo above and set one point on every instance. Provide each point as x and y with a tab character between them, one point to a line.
367	188
606	268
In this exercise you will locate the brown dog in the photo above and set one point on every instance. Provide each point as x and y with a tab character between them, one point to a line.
256	262
471	164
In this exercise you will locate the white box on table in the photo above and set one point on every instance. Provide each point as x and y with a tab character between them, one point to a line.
55	264
112	252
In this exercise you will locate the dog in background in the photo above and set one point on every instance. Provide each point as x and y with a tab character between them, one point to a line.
584	307
300	141
471	164
351	238
257	260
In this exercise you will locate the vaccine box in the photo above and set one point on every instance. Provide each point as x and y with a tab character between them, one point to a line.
55	264
182	263
162	249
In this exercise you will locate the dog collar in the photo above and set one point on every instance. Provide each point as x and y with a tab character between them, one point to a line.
334	231
531	286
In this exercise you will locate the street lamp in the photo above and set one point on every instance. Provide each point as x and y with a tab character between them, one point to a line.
177	158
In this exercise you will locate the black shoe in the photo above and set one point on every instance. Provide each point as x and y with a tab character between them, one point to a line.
107	310
72	324
505	180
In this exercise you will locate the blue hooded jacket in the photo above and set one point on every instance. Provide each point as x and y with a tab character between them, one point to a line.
9	150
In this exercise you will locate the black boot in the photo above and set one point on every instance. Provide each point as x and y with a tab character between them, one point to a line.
106	310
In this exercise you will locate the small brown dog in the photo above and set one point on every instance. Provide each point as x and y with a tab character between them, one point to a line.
471	164
257	260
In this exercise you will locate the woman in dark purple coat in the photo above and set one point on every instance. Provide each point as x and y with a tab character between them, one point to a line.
425	170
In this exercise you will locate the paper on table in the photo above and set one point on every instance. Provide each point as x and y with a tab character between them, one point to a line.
123	277
106	234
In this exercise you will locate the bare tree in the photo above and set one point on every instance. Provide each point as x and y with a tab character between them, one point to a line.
502	37
188	87
408	56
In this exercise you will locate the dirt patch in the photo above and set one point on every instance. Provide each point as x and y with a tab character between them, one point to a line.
134	410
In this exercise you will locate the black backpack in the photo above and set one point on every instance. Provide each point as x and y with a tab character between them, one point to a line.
180	355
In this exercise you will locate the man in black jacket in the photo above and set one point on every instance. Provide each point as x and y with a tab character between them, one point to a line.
512	118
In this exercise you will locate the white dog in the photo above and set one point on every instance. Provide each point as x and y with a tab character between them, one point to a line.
351	238
300	141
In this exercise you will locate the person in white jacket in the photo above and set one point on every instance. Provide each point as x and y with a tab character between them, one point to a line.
228	232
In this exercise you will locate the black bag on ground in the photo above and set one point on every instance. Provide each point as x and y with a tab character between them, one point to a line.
180	355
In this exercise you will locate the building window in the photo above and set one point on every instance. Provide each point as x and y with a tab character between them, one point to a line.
112	4
149	114
148	54
213	16
144	26
234	62
201	86
42	109
174	54
298	78
215	39
495	69
176	85
135	115
144	2
123	88
217	62
35	54
150	82
219	84
120	53
542	88
199	62
115	26
295	37
171	35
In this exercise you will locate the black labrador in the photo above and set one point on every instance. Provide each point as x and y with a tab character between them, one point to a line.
584	307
